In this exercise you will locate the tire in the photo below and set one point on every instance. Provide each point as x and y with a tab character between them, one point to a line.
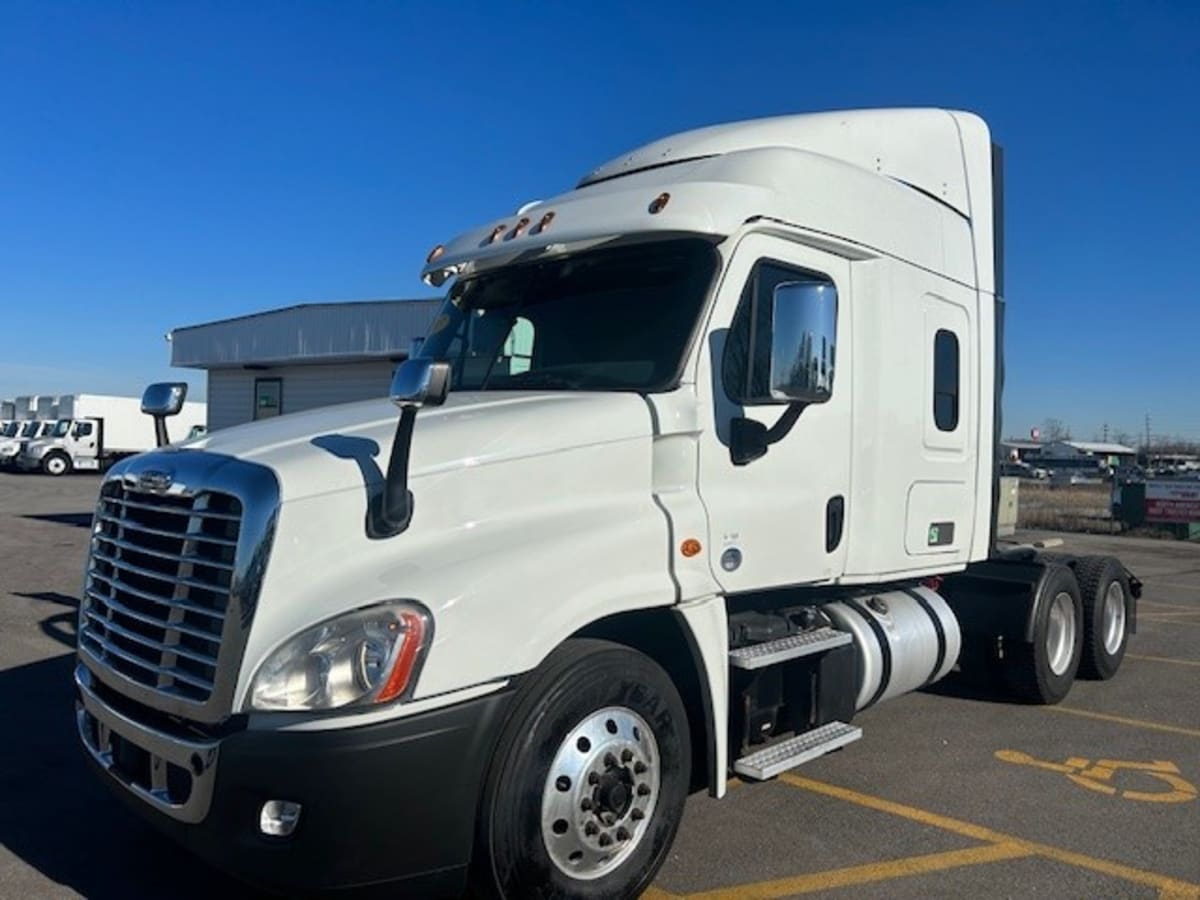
1104	587
587	784
56	464
1043	671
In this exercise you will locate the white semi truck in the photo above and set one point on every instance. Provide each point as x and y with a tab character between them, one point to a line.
34	417
93	431
697	462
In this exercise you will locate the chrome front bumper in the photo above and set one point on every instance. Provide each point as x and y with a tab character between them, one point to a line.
172	774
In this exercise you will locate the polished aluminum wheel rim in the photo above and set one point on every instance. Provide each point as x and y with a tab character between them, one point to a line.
600	793
1113	617
56	466
1060	633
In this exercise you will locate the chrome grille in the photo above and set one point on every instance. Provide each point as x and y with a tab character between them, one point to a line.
159	585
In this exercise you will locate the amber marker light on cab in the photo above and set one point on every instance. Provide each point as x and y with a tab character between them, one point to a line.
659	203
690	547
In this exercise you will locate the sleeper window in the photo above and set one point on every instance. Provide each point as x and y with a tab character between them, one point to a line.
945	380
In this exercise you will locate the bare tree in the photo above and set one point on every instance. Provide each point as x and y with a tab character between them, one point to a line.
1055	430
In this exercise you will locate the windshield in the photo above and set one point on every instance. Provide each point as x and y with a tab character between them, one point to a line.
61	428
613	319
30	429
11	429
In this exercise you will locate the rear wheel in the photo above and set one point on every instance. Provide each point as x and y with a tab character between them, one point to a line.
1044	670
56	464
587	785
1104	588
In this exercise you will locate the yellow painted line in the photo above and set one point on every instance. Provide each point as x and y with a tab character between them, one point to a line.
654	893
1122	720
866	874
1164	883
1164	659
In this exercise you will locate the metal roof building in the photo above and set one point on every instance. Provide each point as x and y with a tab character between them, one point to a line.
300	357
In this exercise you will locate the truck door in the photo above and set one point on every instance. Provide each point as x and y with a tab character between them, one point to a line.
82	440
781	518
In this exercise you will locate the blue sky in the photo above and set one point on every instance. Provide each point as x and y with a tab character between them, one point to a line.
164	163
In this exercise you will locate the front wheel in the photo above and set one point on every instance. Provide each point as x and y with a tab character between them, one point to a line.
56	464
587	785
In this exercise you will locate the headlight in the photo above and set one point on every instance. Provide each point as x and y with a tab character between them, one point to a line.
8	450
363	657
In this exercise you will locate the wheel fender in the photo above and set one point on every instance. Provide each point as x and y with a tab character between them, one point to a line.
705	624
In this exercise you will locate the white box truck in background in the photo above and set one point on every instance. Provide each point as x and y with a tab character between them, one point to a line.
93	431
641	528
8	414
34	416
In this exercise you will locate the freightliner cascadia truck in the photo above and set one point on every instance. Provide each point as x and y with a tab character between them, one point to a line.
697	462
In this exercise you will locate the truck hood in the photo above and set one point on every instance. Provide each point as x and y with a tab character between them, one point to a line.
37	445
340	448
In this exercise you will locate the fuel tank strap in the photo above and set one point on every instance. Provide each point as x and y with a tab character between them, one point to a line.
885	650
937	628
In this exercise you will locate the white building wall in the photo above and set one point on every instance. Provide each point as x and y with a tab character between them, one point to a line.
231	398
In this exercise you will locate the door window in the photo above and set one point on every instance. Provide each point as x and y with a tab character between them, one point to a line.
746	367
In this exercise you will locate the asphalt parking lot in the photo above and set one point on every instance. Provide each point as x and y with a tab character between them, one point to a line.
950	793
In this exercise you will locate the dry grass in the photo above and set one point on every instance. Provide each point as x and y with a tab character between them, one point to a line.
1077	507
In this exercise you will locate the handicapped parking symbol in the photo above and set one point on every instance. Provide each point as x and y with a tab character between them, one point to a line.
1099	776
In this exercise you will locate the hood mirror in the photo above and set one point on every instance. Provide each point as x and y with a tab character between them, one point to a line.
165	398
420	382
161	400
417	382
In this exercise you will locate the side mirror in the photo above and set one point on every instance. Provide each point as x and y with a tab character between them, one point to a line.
162	400
803	337
420	382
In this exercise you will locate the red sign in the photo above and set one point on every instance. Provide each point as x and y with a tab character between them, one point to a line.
1173	502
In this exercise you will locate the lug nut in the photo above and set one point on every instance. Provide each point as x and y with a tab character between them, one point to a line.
590	828
610	760
605	839
636	814
643	790
639	767
593	778
585	804
622	834
626	755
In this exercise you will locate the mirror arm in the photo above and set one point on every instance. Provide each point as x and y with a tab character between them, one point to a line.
160	431
786	422
396	501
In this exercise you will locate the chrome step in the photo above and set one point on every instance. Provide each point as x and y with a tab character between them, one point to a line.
768	653
770	761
